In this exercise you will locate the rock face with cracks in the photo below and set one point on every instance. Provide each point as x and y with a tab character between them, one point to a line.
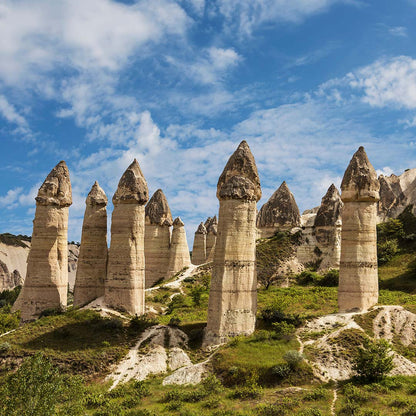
158	220
212	230
199	250
358	274
279	213
124	286
46	282
327	231
92	260
233	293
179	251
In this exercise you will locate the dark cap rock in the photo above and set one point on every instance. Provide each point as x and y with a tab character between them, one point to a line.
157	210
331	208
240	179
96	196
201	229
360	179
56	190
178	222
132	188
280	210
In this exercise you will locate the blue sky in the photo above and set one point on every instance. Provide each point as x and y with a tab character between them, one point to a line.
178	84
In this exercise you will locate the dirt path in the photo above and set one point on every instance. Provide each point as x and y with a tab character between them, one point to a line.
334	401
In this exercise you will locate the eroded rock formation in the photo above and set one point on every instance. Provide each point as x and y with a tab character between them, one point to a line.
328	225
199	250
157	238
212	230
92	261
46	282
124	286
233	292
179	251
279	213
358	275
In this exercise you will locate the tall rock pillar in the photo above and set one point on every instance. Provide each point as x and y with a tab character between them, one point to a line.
199	250
212	230
157	238
179	251
92	260
124	286
233	294
46	282
358	274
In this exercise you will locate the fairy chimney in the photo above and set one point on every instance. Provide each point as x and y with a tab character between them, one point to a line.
157	238
358	274
327	231
279	213
92	260
233	292
179	251
212	230
46	282
124	286
199	250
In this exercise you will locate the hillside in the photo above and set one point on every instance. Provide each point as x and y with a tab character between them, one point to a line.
299	361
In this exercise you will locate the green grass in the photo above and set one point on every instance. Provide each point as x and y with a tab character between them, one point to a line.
78	341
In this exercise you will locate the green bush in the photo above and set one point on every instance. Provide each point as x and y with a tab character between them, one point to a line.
283	330
140	323
293	358
387	250
374	360
38	389
247	392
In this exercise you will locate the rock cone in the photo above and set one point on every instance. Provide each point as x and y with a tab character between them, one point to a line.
212	230
92	260
124	286
179	251
199	251
328	229
233	293
46	282
279	213
358	275
157	238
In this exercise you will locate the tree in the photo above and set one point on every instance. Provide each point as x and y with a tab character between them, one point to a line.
374	360
38	389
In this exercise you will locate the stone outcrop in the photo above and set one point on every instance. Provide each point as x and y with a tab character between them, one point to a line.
179	251
199	250
233	293
327	231
358	274
9	280
124	286
279	213
157	238
46	282
212	230
396	193
92	261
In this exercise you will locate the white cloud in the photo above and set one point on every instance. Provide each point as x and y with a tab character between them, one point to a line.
79	34
399	31
8	111
387	82
250	15
10	200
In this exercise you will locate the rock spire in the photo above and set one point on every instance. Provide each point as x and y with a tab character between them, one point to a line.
157	238
279	213
46	282
358	275
233	293
92	260
179	251
212	230
124	286
199	250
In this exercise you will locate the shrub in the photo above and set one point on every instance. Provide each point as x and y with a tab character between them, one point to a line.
177	302
374	360
174	321
196	294
271	314
293	359
387	250
316	394
247	392
140	323
283	330
310	412
5	346
330	278
270	410
281	371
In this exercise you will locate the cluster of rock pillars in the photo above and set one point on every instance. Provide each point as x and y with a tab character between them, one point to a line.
143	250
